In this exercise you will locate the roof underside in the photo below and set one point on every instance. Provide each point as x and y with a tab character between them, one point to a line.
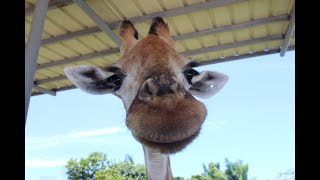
204	30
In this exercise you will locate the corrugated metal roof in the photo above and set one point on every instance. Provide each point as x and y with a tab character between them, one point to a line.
202	30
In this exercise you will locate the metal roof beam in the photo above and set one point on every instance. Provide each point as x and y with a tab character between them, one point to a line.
43	90
79	58
232	45
203	63
232	27
52	5
244	56
197	51
101	24
177	38
140	19
289	33
43	81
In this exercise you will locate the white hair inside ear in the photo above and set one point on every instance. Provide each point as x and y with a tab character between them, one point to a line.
207	84
89	79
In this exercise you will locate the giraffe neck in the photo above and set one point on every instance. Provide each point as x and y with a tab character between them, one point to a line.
157	165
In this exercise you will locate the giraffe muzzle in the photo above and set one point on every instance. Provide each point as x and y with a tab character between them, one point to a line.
167	120
156	87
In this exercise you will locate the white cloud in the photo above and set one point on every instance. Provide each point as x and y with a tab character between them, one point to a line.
35	159
49	141
45	163
216	124
95	132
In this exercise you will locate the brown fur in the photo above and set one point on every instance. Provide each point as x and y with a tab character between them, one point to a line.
167	148
151	52
165	119
168	122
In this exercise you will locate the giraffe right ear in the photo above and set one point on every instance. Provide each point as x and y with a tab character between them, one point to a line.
129	36
207	84
93	79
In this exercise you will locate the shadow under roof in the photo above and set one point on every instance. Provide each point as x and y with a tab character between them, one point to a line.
207	31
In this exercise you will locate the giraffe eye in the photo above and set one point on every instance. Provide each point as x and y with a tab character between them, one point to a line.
115	81
189	74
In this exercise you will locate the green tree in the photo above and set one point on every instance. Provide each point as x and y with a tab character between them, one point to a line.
129	170
200	177
236	170
86	168
178	178
97	167
287	175
110	174
214	172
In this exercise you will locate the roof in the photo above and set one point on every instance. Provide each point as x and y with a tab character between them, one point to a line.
206	31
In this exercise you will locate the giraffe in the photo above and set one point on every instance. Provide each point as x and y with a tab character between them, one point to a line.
157	86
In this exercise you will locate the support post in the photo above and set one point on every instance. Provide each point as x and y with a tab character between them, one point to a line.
289	33
32	49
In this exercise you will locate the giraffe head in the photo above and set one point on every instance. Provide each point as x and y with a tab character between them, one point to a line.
156	85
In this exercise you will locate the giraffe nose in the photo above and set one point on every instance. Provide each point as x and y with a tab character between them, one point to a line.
160	86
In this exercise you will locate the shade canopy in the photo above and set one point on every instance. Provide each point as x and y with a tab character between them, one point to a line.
209	31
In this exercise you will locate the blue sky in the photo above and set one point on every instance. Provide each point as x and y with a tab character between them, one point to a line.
251	119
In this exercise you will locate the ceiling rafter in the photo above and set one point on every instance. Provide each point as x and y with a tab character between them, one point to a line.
176	38
53	4
196	51
140	19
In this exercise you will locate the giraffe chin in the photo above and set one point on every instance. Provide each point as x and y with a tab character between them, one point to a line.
167	148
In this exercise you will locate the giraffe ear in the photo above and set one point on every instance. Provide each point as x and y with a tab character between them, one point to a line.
129	36
207	84
91	79
161	29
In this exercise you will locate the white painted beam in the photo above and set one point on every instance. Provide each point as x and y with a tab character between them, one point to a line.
43	90
32	48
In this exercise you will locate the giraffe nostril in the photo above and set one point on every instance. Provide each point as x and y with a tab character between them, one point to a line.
151	87
174	87
147	89
155	87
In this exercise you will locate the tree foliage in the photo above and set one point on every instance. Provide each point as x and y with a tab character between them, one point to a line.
86	168
234	171
286	175
178	178
97	167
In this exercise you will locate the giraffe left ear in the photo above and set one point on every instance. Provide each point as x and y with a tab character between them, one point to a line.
91	79
207	84
129	36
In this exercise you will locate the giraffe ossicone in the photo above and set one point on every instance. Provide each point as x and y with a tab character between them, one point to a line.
157	86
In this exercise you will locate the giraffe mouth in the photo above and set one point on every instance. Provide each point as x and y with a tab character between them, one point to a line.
167	125
167	148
